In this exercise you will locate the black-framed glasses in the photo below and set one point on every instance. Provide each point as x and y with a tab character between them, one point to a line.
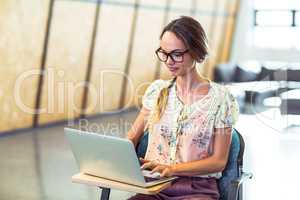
175	55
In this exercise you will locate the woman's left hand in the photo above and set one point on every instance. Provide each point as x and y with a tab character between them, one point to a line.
164	170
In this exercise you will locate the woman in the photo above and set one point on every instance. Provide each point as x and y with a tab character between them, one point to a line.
189	118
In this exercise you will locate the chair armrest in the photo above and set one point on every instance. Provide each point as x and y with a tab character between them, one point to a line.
245	176
234	193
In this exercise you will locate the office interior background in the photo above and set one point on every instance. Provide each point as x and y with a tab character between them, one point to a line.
87	63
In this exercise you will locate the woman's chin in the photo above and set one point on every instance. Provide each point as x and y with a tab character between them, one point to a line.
174	72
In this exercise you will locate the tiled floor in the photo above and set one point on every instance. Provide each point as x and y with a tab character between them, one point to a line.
37	165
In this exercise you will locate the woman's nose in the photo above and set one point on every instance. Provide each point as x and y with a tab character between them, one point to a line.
169	61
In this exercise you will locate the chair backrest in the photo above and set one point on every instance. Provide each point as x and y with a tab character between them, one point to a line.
141	148
233	167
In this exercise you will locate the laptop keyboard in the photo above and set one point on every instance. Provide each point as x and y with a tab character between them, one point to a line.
151	177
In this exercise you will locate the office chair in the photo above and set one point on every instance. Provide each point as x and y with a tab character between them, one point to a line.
230	184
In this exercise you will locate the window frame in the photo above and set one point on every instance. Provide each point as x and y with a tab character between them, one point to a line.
293	23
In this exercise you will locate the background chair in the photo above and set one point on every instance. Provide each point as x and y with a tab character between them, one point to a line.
230	184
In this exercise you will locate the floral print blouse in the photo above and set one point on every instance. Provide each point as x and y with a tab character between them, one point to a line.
185	132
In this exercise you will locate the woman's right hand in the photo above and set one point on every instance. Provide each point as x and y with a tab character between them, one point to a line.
163	170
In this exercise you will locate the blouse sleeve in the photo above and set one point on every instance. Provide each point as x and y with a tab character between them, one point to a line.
228	111
151	94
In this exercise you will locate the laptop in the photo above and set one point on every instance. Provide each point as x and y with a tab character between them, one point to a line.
111	158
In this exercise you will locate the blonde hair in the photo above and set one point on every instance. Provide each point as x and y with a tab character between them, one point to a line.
161	102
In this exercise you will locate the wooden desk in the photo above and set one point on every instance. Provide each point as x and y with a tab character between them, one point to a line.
106	185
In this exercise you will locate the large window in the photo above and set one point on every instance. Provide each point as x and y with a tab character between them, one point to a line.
277	24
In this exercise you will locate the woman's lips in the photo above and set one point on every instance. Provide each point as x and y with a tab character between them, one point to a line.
173	69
